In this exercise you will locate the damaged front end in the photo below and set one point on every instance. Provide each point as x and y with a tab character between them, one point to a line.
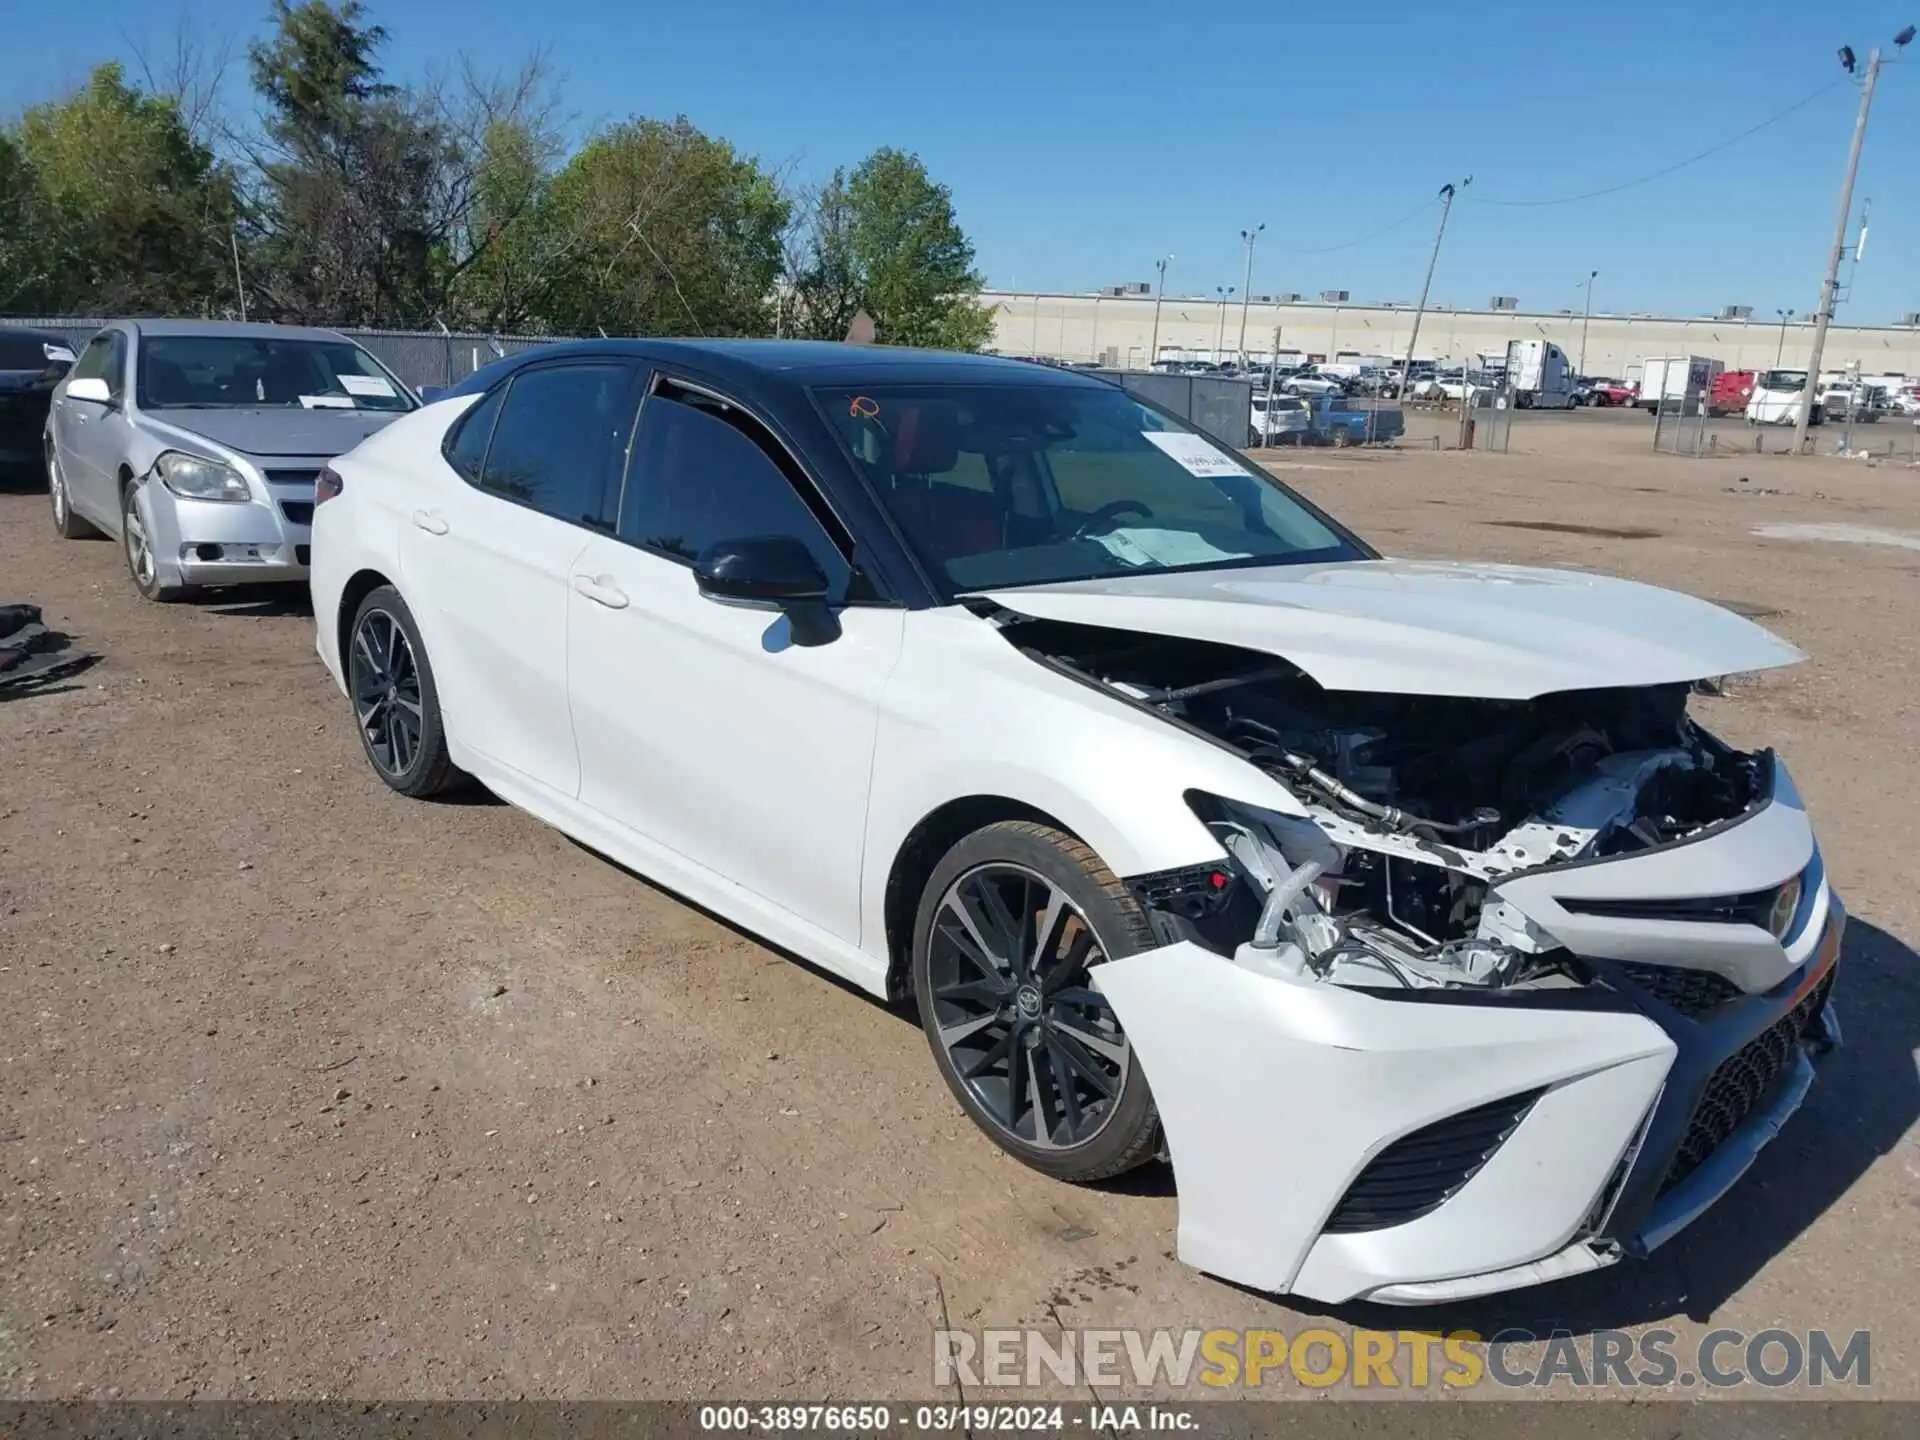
1413	809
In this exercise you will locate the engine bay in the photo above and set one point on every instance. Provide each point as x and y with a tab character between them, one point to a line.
1416	806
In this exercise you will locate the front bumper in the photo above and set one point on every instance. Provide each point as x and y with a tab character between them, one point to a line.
207	542
1631	1118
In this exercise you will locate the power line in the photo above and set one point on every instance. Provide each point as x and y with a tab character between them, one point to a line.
1774	119
1422	208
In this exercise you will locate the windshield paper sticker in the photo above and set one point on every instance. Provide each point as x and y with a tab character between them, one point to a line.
1163	547
328	402
366	385
1194	454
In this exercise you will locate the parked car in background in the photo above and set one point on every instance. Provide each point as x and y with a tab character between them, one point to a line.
197	444
1308	383
1603	391
1776	399
1731	391
1336	421
1281	419
32	362
1151	785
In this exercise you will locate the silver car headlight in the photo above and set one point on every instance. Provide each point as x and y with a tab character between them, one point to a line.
192	478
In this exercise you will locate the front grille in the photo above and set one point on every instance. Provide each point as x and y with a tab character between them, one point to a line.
1751	908
303	554
1740	1082
1418	1173
1691	992
300	512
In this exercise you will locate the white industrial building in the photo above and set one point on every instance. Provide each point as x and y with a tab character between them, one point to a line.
1116	327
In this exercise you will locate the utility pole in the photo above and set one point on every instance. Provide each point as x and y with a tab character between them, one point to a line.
1824	315
1446	209
1585	317
1781	348
239	285
1247	237
1159	292
1225	292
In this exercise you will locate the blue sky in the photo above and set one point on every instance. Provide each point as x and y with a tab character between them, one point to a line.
1084	139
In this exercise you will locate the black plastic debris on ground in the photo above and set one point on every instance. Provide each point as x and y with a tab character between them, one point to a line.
32	656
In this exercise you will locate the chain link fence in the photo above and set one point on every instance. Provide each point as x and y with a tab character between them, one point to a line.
419	357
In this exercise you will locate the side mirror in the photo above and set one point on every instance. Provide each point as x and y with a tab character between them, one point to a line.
89	388
431	393
769	571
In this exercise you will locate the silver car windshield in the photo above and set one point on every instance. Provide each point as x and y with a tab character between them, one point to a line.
245	372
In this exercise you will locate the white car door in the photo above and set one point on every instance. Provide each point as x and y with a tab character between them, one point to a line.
706	727
487	562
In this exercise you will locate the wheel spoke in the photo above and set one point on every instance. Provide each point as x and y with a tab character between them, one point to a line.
952	1035
1063	1087
1078	995
991	1058
365	647
981	954
979	992
1050	918
1084	1064
1003	923
370	714
1043	1124
1017	1086
1107	1048
1072	965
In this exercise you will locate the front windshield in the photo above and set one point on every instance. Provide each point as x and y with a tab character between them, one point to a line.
246	372
998	485
1783	380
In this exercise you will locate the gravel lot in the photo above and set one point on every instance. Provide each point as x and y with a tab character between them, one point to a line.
306	1089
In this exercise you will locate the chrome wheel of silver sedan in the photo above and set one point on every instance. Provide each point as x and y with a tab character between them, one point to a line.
1035	1044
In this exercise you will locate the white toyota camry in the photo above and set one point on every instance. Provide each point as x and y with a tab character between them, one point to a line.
1399	904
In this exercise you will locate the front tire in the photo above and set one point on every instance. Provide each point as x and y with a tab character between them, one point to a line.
396	705
1009	925
136	547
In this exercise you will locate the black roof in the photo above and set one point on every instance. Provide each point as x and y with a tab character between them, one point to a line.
803	362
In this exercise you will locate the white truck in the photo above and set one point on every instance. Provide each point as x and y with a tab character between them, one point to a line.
1677	384
1541	378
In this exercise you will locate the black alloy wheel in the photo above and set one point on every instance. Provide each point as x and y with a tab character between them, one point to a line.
1004	952
395	702
385	680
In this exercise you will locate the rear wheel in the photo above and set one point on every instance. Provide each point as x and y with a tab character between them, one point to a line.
66	524
1011	923
396	705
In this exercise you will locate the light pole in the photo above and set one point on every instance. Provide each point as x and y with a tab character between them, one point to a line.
1159	292
1586	316
1446	209
1247	238
1225	292
1824	315
1781	348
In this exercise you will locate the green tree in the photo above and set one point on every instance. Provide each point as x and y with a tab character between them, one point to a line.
883	238
350	212
656	228
112	207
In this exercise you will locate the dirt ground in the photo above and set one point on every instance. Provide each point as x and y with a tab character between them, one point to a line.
309	1090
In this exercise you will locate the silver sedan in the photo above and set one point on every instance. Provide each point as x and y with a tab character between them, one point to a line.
196	444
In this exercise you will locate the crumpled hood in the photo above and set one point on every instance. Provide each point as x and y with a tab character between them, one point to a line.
278	431
1417	627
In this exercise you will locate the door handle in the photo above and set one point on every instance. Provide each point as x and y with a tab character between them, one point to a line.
428	521
601	590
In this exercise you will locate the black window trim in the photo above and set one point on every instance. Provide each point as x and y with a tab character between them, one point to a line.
787	461
636	369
